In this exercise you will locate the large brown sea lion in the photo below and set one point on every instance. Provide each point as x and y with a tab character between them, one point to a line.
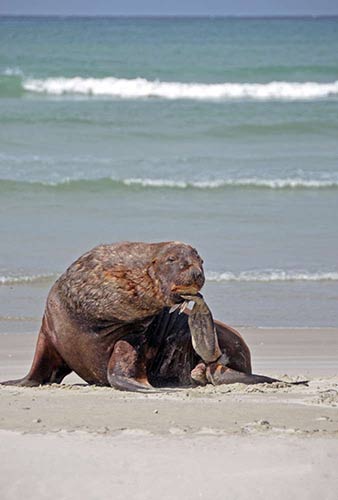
110	319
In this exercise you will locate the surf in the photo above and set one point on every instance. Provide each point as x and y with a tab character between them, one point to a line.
141	88
271	275
138	183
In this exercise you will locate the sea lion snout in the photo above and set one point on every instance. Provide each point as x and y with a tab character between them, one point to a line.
197	275
180	271
189	281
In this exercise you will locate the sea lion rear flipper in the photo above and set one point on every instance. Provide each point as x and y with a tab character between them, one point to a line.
48	367
218	374
129	384
127	370
23	382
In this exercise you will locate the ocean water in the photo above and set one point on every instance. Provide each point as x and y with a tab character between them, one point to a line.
222	133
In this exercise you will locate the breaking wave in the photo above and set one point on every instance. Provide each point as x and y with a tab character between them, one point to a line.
265	276
223	183
141	88
105	183
21	280
14	82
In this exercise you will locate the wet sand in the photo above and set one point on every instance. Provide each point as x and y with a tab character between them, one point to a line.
213	442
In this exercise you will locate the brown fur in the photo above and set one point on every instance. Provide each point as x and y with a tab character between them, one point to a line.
107	319
128	281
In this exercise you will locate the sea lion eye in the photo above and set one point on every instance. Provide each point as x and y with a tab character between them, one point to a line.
171	258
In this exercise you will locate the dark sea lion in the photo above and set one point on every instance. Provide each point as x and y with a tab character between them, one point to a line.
108	318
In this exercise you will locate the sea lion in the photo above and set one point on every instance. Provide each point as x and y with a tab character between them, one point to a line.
110	319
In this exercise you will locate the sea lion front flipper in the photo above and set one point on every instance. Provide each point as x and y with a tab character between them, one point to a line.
202	328
127	367
218	374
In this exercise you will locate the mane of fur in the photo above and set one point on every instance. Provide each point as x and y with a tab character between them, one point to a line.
112	282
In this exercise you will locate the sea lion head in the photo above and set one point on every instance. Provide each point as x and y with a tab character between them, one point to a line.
178	270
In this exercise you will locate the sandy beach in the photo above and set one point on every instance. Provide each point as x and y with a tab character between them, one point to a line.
90	442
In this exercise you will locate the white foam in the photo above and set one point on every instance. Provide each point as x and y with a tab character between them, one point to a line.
328	182
12	72
264	276
243	182
12	280
142	88
155	183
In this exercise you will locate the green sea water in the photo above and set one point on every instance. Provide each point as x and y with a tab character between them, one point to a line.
219	132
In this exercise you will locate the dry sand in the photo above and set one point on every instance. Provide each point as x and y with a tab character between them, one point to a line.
77	441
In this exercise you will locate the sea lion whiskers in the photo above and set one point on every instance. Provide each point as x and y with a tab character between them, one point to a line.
174	307
181	306
184	305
